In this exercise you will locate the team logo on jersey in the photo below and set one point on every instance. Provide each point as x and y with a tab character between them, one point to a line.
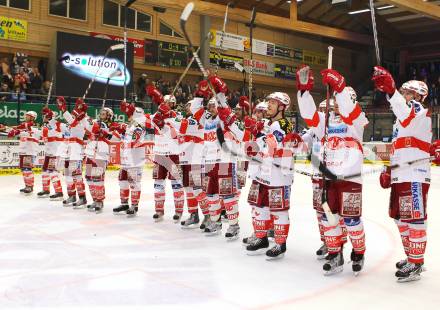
417	200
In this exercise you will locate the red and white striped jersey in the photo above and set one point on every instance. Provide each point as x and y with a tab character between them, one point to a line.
343	150
75	149
412	135
29	139
52	134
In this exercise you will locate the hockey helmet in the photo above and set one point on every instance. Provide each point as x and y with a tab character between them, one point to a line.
418	87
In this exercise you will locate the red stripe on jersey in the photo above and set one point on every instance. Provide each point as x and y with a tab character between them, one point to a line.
314	121
410	117
353	115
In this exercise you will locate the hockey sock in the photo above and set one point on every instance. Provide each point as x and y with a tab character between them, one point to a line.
179	196
214	207
320	226
262	221
79	184
70	184
28	178
417	242
281	226
191	201
202	200
404	234
355	229
231	206
124	191
99	191
159	196
332	235
45	179
54	176
344	237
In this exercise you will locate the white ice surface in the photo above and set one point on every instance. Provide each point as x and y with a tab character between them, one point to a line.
58	258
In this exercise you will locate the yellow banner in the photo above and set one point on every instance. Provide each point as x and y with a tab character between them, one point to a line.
313	58
13	29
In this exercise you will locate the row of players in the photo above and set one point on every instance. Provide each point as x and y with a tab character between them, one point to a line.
211	174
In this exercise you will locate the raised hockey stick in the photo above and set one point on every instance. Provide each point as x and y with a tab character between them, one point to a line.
324	199
188	66
111	48
251	63
49	93
225	21
183	19
373	22
111	75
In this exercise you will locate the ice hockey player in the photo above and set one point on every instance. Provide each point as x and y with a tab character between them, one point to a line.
52	136
133	144
343	156
190	133
240	112
166	156
314	148
28	148
412	136
272	180
75	151
97	153
220	167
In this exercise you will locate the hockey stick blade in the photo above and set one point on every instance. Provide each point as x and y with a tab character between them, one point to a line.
187	12
117	47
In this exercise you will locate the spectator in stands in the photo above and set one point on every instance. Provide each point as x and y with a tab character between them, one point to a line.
433	95
5	92
141	83
36	81
21	80
18	93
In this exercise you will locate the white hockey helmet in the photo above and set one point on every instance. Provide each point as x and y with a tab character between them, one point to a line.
418	87
262	106
212	101
108	111
139	116
352	93
32	113
282	98
169	99
331	102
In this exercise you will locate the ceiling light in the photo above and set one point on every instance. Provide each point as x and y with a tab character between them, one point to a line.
368	10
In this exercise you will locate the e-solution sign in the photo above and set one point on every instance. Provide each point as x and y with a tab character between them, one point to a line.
84	59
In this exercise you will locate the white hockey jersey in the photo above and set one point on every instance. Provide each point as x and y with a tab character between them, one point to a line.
98	145
412	134
133	147
75	149
29	139
166	140
52	134
344	152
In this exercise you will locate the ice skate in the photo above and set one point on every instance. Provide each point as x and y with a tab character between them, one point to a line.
357	261
276	252
99	206
121	208
132	211
248	240
81	203
334	264
22	190
400	264
56	197
28	190
205	222
91	207
214	228
191	222
69	201
233	232
158	217
322	252
177	217
257	247
43	194
409	272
